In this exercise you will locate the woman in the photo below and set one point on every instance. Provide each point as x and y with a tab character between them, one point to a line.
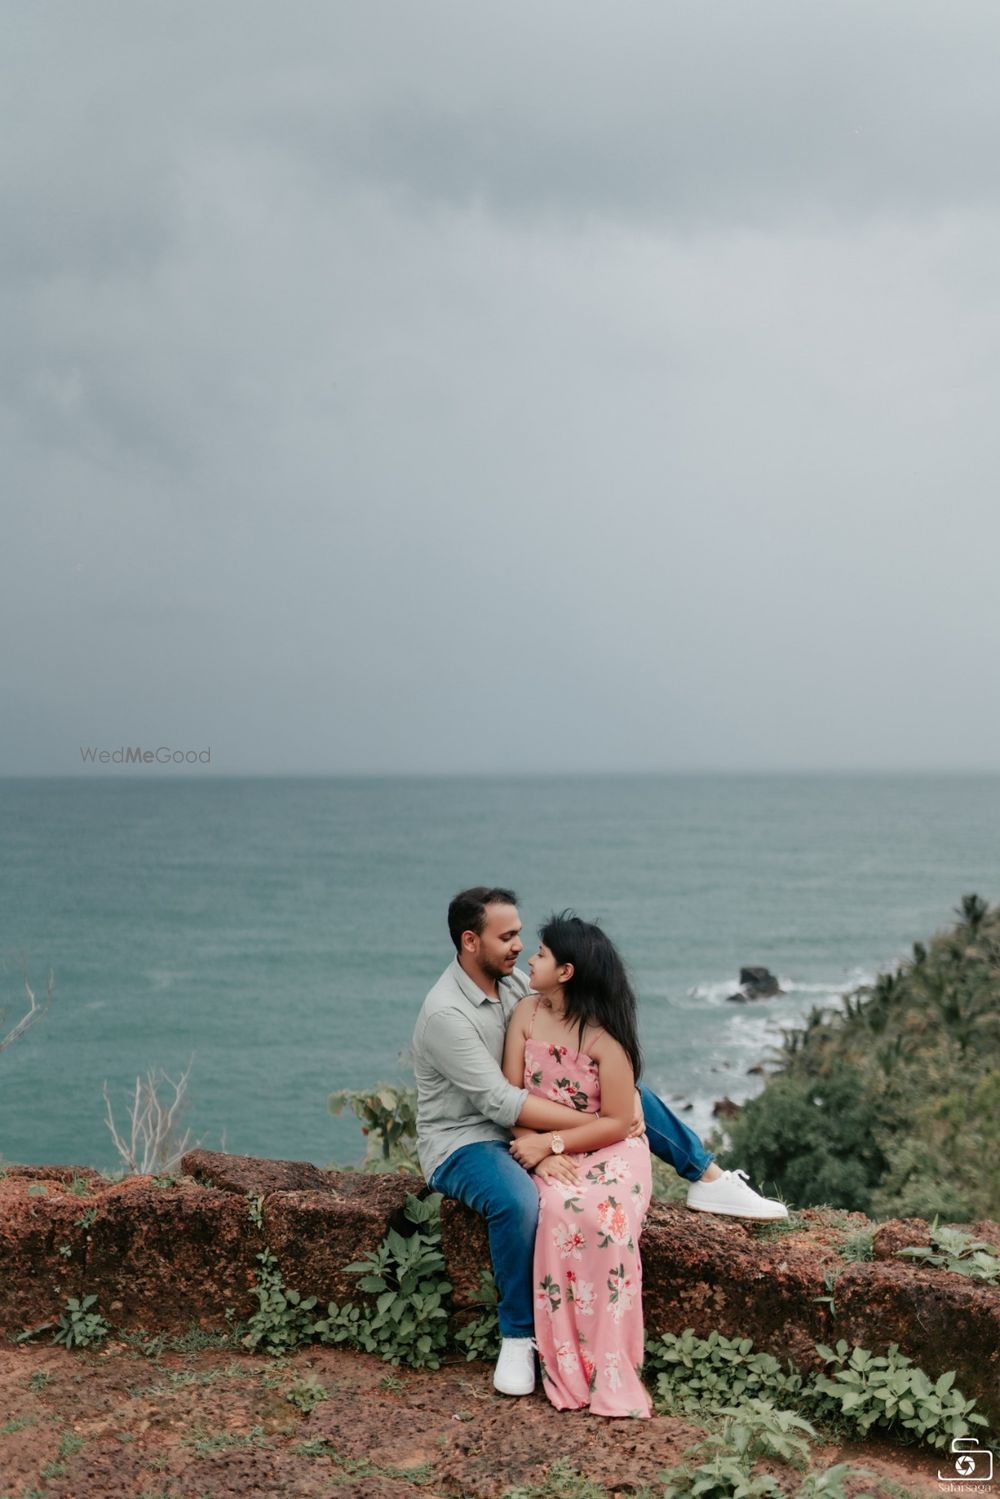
574	1040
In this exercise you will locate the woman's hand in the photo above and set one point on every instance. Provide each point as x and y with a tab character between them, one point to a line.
528	1150
556	1168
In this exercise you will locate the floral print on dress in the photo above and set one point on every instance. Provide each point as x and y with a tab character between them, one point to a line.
566	1091
570	1242
622	1291
614	1225
582	1293
610	1171
549	1296
588	1277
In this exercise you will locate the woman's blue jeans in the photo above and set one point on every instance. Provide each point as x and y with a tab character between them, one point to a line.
487	1179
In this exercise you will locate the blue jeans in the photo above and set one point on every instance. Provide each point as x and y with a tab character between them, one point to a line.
671	1139
487	1179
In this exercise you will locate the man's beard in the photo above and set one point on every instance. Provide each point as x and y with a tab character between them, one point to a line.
492	972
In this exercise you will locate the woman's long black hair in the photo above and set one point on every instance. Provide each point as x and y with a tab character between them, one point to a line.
599	992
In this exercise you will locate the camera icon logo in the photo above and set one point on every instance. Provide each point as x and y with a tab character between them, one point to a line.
973	1464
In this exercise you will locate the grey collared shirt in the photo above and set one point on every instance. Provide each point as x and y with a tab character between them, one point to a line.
462	1094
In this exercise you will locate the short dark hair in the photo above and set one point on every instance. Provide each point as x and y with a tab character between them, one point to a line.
467	912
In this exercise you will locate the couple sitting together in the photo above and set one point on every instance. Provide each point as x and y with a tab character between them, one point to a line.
530	1111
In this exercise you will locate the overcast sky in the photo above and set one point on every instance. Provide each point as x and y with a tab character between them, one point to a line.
480	386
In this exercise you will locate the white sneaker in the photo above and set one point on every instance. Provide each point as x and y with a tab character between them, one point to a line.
729	1194
515	1370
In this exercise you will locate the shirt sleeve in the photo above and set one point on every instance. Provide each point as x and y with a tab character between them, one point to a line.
455	1049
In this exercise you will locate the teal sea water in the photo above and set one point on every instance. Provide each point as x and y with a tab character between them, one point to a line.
282	932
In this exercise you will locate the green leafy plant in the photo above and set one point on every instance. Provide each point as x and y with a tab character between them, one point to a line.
255	1210
951	1249
692	1374
282	1320
858	1388
757	1430
305	1394
480	1338
77	1327
408	1321
888	1391
388	1115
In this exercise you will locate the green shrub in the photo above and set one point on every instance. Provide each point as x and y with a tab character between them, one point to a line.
388	1114
892	1106
756	1430
79	1327
694	1375
889	1392
480	1338
951	1249
409	1320
282	1320
815	1136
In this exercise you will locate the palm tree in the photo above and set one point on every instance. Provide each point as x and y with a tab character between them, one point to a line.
973	911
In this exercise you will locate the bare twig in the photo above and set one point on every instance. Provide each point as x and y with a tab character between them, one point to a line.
34	1012
152	1147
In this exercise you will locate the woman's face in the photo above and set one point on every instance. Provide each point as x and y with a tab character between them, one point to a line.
543	969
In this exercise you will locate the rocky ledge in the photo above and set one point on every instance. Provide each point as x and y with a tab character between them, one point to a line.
161	1254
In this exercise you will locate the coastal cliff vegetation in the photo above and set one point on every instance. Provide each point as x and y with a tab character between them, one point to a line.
891	1105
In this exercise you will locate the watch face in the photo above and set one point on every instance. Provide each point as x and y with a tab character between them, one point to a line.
558	1145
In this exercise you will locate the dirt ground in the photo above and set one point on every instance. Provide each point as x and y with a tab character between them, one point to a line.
119	1424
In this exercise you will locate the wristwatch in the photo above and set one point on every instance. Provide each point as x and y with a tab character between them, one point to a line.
558	1144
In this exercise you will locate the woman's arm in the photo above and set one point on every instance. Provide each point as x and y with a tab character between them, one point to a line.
617	1107
513	1046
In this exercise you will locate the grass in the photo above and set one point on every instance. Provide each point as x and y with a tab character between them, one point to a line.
859	1246
223	1441
564	1482
17	1423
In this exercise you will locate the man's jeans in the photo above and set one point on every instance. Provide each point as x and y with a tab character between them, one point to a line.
487	1179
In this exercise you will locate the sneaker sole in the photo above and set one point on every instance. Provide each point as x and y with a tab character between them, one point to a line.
738	1213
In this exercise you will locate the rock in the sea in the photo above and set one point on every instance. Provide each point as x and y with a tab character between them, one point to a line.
724	1108
756	983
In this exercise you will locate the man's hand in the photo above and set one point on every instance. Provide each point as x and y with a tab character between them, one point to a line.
528	1150
638	1125
556	1168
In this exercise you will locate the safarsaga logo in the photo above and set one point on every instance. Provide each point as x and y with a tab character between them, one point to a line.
134	755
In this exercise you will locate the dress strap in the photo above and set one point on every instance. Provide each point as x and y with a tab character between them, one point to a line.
534	1012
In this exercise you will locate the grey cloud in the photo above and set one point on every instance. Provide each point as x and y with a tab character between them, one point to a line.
450	387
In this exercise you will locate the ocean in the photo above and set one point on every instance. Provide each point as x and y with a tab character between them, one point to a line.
280	934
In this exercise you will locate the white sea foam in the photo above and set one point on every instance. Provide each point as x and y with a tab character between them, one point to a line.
718	991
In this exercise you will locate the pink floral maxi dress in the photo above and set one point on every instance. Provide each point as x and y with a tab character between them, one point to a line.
587	1274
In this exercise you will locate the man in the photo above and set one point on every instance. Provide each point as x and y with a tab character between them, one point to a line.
466	1109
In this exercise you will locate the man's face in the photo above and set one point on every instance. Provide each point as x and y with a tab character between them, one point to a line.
499	943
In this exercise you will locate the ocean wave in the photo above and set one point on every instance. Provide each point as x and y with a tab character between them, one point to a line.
717	991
